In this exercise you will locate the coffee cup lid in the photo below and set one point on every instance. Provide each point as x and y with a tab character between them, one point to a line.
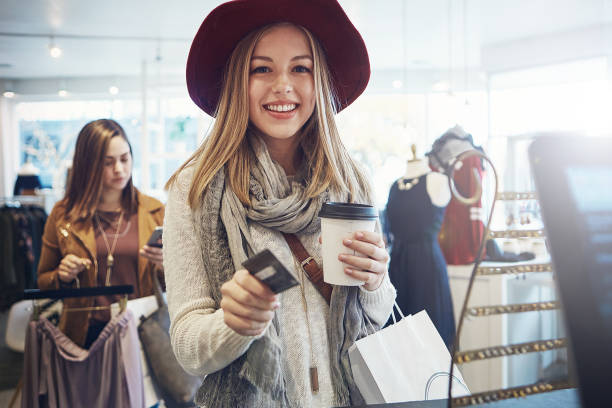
348	211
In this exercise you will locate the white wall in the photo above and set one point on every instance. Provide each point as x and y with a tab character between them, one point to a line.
9	147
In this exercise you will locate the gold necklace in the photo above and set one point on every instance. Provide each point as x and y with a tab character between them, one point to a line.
110	260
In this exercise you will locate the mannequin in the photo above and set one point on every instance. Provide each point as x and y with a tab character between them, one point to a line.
28	169
462	229
28	179
437	183
415	211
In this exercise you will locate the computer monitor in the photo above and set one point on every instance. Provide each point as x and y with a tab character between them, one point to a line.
573	177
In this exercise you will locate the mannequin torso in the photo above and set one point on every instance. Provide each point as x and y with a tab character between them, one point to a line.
415	212
437	183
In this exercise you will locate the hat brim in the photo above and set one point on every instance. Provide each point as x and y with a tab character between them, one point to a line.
226	25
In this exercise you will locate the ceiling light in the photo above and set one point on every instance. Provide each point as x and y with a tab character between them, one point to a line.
54	50
113	90
397	84
9	90
63	93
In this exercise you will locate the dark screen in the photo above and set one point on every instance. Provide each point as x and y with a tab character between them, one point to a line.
591	190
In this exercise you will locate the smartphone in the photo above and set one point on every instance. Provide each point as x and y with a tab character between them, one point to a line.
268	269
156	237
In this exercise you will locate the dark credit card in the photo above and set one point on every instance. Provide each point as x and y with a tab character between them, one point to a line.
268	269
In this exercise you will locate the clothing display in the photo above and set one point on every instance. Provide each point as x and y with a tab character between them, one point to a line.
79	238
494	254
462	229
21	229
417	268
273	368
59	373
26	184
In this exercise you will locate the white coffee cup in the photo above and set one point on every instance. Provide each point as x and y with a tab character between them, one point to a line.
338	222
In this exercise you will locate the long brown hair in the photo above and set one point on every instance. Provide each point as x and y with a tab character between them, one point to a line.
84	187
328	161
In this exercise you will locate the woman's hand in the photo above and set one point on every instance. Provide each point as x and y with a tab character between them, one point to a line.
371	266
248	305
153	254
70	266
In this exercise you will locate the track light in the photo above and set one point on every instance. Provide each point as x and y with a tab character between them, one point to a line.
54	50
62	89
113	90
9	91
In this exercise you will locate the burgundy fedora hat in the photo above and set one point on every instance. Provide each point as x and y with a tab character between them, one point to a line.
227	24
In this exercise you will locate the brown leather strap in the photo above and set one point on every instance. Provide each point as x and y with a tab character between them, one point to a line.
310	266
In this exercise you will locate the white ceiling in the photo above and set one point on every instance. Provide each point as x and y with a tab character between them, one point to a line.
418	29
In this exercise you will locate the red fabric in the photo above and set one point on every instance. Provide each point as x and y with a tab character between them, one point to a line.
460	236
227	24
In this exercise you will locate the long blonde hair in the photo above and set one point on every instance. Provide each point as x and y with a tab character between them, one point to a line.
329	163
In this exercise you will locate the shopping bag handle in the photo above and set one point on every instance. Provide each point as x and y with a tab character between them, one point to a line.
369	323
396	307
443	374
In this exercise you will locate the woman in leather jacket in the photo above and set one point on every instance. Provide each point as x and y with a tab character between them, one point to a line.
96	235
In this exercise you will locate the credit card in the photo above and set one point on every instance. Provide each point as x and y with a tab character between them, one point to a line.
268	269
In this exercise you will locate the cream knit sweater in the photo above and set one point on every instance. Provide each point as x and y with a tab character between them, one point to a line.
203	343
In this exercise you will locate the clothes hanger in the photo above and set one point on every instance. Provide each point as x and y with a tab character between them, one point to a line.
79	292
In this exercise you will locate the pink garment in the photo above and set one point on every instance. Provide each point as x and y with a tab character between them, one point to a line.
58	373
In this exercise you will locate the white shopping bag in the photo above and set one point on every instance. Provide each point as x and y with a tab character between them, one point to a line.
406	361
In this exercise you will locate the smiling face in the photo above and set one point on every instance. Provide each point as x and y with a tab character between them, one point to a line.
117	165
281	84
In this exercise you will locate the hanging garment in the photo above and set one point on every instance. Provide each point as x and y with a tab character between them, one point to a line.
58	373
26	184
417	268
21	236
463	229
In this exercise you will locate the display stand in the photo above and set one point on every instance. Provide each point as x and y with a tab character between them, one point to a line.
469	311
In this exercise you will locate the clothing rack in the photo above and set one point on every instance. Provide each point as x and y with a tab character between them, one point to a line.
82	292
23	200
34	294
22	221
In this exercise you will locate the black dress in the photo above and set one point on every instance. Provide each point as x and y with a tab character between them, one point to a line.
417	268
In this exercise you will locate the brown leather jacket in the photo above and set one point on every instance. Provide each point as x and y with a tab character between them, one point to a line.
61	238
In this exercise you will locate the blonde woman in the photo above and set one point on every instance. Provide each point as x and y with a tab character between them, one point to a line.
273	73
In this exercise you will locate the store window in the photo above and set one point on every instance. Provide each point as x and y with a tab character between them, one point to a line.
48	132
569	98
379	129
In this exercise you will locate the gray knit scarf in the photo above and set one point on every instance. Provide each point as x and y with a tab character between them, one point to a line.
256	379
